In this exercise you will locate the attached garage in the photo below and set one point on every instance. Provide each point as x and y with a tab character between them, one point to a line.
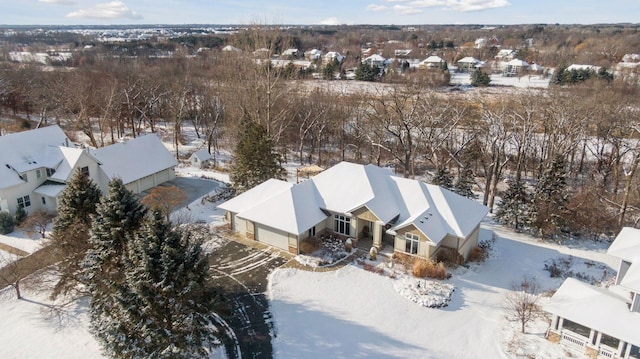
272	236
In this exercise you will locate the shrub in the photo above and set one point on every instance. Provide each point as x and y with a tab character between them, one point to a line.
309	245
477	255
6	223
427	268
20	216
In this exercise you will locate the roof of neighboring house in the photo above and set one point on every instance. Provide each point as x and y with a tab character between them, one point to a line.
29	150
70	157
50	190
469	60
583	67
433	59
626	246
202	155
374	58
518	63
596	308
134	159
347	187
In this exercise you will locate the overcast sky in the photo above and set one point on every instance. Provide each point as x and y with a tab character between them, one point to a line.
399	12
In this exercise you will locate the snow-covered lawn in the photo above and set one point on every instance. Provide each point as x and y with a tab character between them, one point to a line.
20	240
355	313
533	81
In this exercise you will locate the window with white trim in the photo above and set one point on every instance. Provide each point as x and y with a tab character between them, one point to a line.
342	224
411	243
24	201
38	174
85	170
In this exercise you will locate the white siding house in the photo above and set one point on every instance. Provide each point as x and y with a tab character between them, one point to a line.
35	166
602	322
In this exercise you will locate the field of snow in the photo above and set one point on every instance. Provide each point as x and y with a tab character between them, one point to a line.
352	313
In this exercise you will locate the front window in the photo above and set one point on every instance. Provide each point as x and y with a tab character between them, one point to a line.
85	170
50	172
24	201
342	224
411	241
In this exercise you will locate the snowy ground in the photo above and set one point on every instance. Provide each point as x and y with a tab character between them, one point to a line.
533	81
354	313
20	240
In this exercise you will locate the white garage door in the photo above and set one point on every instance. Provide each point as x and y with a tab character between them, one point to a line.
272	237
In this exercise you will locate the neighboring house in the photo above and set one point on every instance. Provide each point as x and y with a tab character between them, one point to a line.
505	55
36	165
467	64
514	67
230	48
366	203
290	53
375	60
583	67
602	322
402	52
200	158
432	62
313	55
331	55
141	163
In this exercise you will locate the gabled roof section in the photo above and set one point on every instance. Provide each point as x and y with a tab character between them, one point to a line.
70	157
202	155
134	159
596	308
347	186
436	211
253	197
294	210
28	150
626	246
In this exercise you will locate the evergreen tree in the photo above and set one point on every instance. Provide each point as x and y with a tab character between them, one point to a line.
443	178
366	72
549	206
70	237
164	306
464	184
255	160
118	216
514	207
480	79
331	69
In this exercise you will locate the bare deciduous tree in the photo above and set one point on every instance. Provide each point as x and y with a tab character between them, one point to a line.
522	301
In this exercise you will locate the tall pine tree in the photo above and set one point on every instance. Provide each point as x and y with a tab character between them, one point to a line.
550	198
443	178
464	184
514	207
70	237
118	216
164	305
255	159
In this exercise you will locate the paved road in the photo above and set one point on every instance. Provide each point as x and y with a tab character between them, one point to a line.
242	272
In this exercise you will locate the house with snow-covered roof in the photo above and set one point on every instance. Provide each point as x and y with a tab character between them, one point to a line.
602	322
35	166
364	203
201	158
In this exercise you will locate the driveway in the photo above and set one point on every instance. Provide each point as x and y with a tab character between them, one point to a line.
242	272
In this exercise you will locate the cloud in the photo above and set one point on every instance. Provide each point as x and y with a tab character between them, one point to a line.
330	21
412	7
58	2
374	7
406	10
110	10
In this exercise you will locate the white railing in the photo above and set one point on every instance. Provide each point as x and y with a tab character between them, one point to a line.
606	352
574	339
